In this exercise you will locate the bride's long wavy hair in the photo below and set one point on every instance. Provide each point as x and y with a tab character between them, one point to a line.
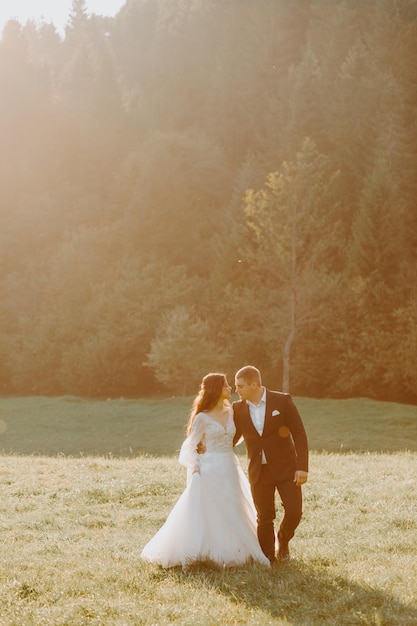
208	395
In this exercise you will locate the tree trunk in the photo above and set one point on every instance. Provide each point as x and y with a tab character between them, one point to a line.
286	359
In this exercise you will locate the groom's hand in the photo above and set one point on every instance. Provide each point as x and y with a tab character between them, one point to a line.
300	477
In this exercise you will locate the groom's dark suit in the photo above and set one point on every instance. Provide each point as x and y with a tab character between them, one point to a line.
284	443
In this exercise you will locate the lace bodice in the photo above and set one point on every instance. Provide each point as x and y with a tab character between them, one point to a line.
216	438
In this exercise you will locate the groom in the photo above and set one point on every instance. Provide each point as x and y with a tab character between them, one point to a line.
277	450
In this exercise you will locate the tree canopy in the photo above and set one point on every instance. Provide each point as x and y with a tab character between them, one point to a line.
190	186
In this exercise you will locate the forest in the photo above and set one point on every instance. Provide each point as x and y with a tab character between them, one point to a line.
196	185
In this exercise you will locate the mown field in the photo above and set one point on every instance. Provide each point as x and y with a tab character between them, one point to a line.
73	522
126	428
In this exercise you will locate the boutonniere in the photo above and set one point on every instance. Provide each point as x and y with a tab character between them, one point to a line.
275	412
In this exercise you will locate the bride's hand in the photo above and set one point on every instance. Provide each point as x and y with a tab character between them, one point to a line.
201	448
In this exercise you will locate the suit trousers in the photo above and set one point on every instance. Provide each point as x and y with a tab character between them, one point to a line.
263	493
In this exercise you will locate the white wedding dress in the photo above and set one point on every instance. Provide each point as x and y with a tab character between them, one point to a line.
214	518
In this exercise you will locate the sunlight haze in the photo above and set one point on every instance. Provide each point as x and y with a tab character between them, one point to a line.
188	186
56	11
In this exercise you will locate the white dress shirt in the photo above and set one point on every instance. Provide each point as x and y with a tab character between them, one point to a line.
257	413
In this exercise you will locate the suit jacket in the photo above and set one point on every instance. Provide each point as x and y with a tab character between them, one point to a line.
283	440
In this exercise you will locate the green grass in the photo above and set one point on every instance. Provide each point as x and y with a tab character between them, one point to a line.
359	425
72	530
126	428
73	426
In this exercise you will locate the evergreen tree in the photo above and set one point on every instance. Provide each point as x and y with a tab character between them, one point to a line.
128	146
377	231
183	351
295	232
176	201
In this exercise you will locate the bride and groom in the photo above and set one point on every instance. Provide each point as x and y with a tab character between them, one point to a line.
221	516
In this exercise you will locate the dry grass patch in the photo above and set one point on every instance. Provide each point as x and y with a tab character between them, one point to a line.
72	531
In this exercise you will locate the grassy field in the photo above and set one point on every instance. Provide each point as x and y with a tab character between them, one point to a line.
125	428
74	519
72	531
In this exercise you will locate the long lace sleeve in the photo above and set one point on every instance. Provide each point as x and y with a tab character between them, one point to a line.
189	456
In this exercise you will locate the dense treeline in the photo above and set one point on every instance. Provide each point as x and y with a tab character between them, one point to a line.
196	185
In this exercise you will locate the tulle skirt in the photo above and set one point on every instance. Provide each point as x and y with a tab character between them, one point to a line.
214	519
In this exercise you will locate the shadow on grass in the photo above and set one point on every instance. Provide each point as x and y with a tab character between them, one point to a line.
301	593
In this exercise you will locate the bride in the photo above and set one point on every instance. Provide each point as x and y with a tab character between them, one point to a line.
214	518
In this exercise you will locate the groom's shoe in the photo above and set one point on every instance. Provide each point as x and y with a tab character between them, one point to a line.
283	549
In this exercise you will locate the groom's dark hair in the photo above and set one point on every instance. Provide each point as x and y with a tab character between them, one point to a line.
250	374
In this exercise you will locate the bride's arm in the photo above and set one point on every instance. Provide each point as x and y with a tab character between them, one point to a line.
189	457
